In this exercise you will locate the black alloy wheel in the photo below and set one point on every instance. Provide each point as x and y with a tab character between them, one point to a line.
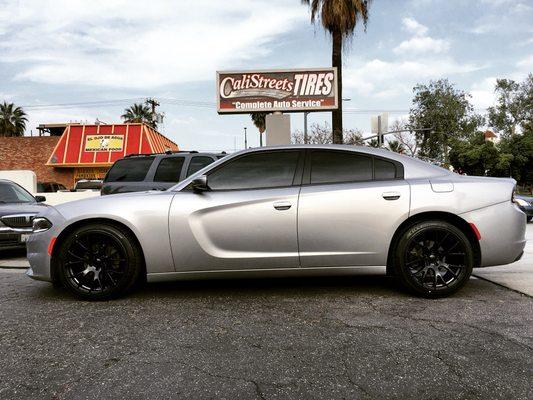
434	259
99	261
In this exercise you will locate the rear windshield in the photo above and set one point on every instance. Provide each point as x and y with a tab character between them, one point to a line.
129	169
89	185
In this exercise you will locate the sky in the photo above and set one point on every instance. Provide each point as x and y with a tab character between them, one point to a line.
79	60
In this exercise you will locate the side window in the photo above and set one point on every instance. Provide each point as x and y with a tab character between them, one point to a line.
384	170
257	170
129	169
169	169
338	166
197	163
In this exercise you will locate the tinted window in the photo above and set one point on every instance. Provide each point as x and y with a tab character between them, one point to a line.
259	170
336	166
384	169
129	169
197	163
14	194
169	169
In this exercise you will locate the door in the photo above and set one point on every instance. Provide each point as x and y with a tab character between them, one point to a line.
350	206
246	221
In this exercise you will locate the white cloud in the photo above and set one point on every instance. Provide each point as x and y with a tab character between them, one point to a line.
526	63
482	93
422	44
125	44
376	78
411	25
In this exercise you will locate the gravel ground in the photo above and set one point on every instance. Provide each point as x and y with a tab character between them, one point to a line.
268	339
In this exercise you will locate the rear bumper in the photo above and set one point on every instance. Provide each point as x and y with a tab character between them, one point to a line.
503	229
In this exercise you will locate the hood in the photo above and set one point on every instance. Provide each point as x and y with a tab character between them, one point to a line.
22	208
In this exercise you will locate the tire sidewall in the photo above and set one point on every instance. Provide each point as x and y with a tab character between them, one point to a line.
132	264
404	275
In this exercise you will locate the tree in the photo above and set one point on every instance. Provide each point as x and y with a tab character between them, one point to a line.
339	18
407	139
514	106
476	156
12	120
396	146
322	134
139	113
259	120
447	112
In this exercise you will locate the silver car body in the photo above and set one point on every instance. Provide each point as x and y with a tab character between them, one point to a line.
303	229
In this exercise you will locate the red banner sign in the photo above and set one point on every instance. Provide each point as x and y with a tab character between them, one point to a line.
277	90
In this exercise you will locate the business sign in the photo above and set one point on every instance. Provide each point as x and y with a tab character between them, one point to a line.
104	143
277	90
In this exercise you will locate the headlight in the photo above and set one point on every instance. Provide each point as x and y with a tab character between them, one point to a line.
521	202
41	224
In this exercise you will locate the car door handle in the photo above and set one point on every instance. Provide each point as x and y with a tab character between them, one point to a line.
282	205
391	195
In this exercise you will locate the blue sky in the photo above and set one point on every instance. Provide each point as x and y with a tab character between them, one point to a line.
78	51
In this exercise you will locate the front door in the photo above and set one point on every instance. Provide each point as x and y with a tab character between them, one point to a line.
246	221
350	206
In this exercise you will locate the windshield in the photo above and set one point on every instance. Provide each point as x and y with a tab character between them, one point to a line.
11	193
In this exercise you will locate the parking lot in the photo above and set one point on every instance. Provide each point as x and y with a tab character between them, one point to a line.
357	337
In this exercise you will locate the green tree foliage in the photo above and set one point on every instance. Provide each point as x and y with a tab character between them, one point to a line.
12	120
139	113
476	156
259	120
396	146
339	18
447	112
514	108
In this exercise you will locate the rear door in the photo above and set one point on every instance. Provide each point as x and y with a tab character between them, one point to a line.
350	206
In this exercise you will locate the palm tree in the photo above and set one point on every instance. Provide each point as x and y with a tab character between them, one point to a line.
12	120
259	120
139	113
339	18
396	146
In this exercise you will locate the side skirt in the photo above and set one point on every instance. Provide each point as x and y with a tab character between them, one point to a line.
262	273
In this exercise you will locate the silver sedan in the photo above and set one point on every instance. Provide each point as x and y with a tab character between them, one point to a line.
292	210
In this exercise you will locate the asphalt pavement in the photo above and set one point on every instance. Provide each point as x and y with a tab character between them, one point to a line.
325	338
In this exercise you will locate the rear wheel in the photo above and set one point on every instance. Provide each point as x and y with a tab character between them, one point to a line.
529	219
433	259
99	261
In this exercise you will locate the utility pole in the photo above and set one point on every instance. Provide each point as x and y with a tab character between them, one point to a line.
306	139
260	139
245	139
153	103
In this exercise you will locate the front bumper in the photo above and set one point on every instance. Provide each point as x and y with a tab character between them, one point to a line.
503	232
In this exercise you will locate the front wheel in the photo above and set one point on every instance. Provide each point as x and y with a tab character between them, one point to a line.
433	259
99	261
528	219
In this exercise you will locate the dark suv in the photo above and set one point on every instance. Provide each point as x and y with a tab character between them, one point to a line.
140	172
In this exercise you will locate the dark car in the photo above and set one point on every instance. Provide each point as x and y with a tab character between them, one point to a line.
17	208
525	203
49	187
136	173
87	184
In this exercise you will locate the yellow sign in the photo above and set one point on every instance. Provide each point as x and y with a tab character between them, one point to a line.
89	173
104	143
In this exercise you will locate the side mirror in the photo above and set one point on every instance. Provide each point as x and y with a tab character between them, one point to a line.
199	184
40	199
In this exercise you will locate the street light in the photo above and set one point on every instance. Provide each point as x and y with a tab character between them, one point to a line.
245	139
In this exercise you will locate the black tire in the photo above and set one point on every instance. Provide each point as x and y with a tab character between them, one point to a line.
528	219
433	259
99	261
